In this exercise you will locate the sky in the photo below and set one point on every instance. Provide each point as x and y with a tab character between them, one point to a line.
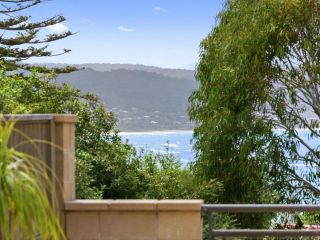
162	33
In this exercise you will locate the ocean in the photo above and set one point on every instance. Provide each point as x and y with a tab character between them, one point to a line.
179	142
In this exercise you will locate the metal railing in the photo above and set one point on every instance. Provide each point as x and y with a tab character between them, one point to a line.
258	208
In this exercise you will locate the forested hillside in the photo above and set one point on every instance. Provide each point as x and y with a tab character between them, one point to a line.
143	98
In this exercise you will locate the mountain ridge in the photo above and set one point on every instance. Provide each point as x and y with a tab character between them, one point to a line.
104	67
141	99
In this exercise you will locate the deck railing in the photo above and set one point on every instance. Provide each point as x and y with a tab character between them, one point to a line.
258	208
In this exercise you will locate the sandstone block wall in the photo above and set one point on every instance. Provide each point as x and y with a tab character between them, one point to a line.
54	136
134	219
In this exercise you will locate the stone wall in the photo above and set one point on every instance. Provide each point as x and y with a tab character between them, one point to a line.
134	219
51	137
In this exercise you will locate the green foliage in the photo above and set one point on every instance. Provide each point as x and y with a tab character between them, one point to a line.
24	183
226	132
145	176
259	71
106	166
85	188
311	218
229	138
95	133
294	99
165	178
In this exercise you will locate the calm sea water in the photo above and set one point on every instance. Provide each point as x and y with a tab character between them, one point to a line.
179	142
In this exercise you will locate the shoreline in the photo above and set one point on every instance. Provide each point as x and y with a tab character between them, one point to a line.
167	132
156	132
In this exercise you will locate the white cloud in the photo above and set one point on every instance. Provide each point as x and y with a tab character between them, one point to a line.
125	29
58	28
160	9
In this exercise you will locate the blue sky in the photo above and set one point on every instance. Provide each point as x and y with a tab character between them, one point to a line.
164	33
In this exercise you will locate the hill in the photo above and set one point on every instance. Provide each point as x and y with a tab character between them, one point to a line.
143	98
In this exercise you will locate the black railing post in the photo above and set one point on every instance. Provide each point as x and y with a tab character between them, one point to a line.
211	223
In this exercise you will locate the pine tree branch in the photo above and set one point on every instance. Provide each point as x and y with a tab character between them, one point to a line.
29	38
20	7
44	69
12	21
53	37
30	26
21	46
16	1
20	39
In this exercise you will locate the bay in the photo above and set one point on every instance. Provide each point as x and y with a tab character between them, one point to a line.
179	142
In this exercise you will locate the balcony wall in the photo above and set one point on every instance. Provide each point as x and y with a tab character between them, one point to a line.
51	137
134	219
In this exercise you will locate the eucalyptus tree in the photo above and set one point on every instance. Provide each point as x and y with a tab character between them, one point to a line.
294	103
259	72
22	39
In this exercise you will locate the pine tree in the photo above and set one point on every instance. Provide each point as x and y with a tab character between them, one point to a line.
20	39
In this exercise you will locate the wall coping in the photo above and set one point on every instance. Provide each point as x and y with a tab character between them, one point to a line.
133	205
66	118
